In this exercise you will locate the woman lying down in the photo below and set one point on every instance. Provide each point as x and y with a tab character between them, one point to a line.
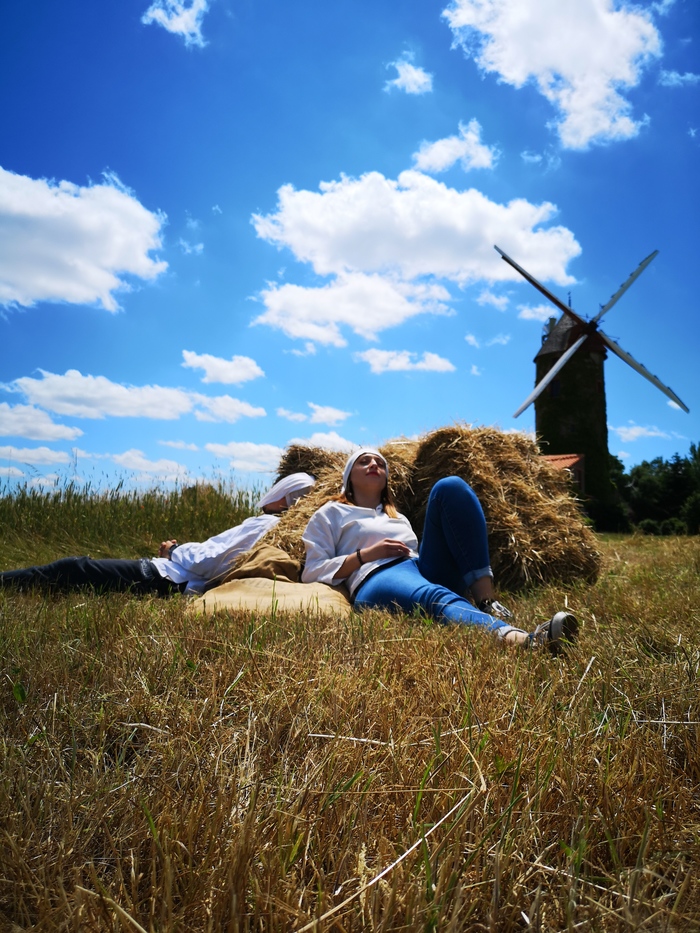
359	538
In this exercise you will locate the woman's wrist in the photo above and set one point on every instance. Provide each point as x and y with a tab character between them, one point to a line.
358	554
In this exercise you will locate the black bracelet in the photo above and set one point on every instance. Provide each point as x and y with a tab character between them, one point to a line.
359	556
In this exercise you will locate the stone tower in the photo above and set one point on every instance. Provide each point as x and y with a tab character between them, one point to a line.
571	415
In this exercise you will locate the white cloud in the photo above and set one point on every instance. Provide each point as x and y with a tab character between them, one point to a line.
472	341
292	415
96	397
632	432
179	445
675	79
536	313
331	440
623	455
674	405
99	397
416	226
475	371
28	421
35	455
325	414
466	148
216	209
225	408
191	249
167	470
367	304
60	242
320	414
394	361
549	159
581	57
248	457
11	471
228	372
309	350
499	340
179	17
500	302
410	78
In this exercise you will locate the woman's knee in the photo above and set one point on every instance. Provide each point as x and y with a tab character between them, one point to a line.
451	486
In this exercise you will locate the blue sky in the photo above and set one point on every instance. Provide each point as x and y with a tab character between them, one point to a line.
226	225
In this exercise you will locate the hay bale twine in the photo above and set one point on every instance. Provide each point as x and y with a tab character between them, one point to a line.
536	530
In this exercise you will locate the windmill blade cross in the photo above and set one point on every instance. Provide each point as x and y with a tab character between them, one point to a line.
542	385
625	285
540	288
642	370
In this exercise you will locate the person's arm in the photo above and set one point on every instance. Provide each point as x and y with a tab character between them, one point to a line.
213	557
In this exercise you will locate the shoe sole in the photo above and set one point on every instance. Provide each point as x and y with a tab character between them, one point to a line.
563	629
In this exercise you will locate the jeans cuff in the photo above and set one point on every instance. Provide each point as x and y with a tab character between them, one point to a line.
473	575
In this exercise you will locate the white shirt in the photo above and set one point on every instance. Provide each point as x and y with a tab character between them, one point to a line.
337	529
197	564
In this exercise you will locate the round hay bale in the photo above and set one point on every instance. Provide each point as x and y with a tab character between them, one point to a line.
536	531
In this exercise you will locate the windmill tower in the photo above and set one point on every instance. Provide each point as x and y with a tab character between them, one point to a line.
569	394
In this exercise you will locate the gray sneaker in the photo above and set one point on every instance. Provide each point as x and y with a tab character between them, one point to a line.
555	634
497	610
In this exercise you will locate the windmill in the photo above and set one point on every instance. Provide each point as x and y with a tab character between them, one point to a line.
570	408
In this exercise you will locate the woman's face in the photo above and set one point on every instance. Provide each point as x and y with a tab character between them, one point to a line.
368	475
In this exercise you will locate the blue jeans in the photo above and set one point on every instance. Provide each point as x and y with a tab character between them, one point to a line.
453	554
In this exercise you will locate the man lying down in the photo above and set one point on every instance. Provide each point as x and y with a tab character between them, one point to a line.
190	568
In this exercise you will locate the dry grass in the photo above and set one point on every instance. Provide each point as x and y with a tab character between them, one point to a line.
256	773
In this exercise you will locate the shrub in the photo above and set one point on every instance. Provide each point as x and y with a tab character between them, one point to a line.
649	526
673	526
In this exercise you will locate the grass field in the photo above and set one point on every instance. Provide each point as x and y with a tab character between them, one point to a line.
161	771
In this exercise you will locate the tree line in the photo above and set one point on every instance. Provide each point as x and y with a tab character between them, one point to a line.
661	496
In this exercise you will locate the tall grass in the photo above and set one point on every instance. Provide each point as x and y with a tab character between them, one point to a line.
38	525
161	771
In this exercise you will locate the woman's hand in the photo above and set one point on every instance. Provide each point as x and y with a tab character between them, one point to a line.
166	548
388	547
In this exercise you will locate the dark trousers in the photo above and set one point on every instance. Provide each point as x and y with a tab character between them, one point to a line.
71	573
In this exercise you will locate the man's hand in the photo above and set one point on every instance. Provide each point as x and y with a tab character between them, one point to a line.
166	548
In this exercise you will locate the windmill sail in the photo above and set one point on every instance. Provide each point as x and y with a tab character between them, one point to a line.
625	285
540	287
642	370
543	383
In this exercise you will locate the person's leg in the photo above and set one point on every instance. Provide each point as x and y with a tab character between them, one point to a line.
454	550
138	576
403	586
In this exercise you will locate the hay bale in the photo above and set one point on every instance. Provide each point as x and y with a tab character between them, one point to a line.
302	458
536	530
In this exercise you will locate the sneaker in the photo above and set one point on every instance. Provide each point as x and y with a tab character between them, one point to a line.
493	608
556	633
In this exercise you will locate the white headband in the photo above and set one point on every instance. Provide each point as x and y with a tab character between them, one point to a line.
352	459
290	487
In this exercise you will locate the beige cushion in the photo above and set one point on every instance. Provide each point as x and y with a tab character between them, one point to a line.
262	595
